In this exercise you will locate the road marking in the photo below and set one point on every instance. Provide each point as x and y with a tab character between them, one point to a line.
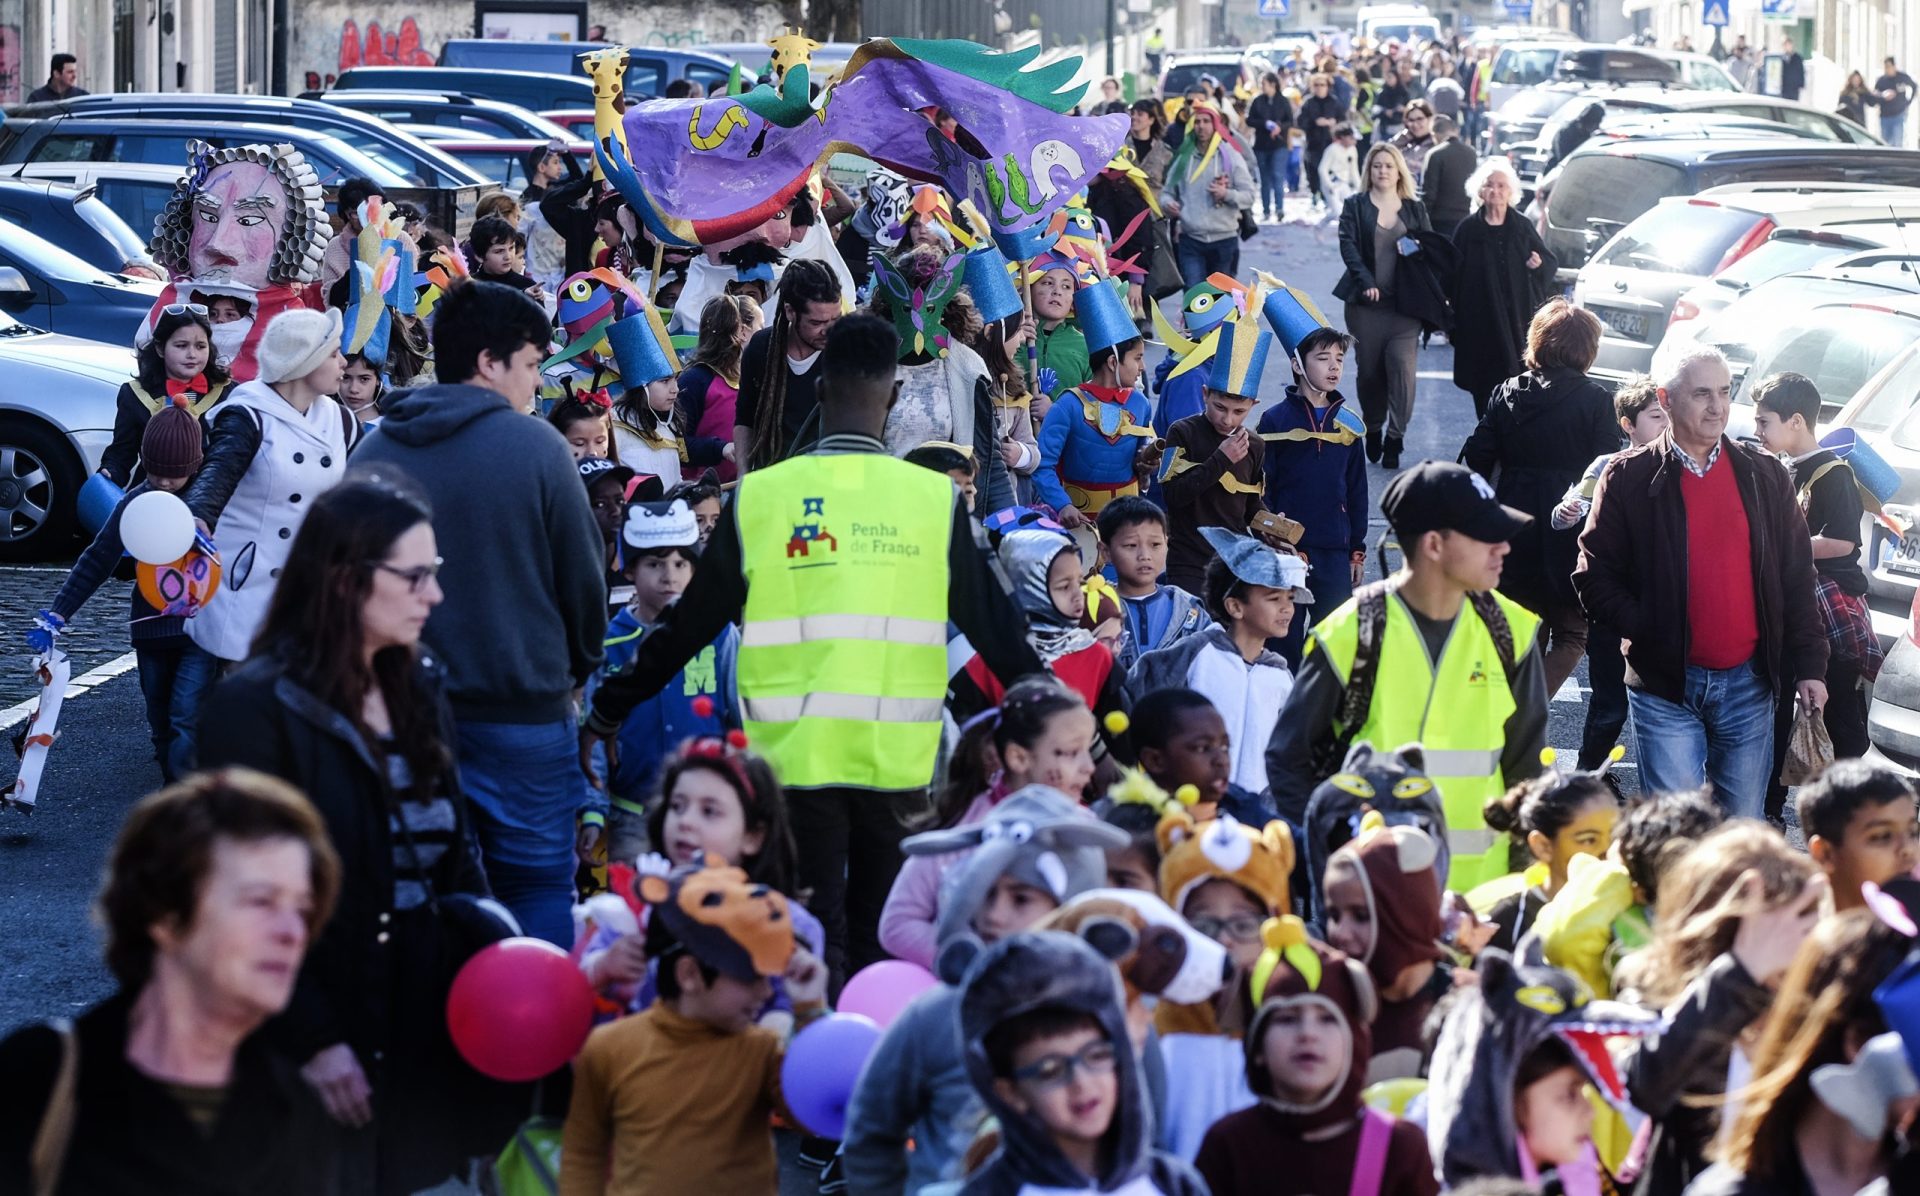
20	712
1570	691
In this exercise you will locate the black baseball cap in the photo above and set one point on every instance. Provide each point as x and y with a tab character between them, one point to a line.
1441	496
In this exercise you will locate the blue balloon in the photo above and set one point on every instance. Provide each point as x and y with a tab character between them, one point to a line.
822	1065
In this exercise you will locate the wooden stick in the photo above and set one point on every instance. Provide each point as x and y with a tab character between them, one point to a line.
653	280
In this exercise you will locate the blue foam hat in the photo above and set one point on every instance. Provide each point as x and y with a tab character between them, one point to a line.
990	284
1292	316
642	349
1239	360
1102	313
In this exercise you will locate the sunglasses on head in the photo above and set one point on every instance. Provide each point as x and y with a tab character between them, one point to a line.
184	309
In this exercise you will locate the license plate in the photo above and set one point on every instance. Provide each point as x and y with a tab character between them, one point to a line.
1626	323
1906	556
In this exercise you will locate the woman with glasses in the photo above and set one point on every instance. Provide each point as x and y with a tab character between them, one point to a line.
278	442
338	700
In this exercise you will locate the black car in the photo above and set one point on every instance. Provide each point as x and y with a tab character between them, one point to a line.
1604	185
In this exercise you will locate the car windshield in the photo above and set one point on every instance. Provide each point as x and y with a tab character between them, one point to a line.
1891	403
1182	75
1840	347
44	258
1708	76
1407	33
1611	188
1524	68
1532	103
1678	238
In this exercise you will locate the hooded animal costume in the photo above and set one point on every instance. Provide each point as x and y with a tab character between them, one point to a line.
1374	1154
1392	783
1397	867
915	1085
1519	1003
1053	970
1206	1076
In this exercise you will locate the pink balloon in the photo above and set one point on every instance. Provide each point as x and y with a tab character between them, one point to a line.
519	1009
880	991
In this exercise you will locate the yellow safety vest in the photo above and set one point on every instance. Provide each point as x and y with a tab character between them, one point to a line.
1457	709
843	651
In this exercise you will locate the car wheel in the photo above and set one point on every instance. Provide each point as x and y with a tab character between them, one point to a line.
39	477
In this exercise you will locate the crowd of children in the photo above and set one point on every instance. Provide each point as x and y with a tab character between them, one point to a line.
1143	978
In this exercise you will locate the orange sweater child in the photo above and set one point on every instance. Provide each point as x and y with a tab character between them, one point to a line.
676	1100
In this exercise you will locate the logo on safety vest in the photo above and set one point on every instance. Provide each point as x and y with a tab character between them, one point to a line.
810	535
1478	675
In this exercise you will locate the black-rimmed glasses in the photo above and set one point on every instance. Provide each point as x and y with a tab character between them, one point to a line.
416	577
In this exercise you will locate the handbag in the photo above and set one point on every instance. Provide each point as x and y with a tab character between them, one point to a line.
1249	227
1163	267
1809	750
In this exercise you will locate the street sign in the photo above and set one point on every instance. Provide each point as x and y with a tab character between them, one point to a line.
1713	12
1521	10
1273	8
1779	10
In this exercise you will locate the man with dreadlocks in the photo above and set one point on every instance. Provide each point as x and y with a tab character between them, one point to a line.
777	370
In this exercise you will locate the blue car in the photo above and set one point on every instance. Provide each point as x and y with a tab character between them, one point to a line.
75	219
57	292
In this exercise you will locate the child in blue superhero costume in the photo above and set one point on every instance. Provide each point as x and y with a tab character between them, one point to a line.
1098	440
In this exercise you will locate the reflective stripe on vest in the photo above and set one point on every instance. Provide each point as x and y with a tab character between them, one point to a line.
808	628
1457	710
843	658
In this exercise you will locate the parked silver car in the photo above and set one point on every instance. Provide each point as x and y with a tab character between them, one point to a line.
1634	282
56	418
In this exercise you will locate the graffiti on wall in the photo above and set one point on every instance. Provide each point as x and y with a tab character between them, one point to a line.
382	47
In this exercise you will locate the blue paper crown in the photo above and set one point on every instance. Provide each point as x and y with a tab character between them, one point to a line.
642	349
1103	317
1292	317
990	285
1238	362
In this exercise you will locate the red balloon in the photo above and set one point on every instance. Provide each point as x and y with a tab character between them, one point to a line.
519	1009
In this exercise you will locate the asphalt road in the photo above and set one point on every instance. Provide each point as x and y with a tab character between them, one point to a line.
50	862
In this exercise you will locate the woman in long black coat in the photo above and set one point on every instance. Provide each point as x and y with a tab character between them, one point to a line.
1505	273
1540	432
338	700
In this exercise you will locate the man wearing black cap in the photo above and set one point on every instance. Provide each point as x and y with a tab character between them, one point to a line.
1432	654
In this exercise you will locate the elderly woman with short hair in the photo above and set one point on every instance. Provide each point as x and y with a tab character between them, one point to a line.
1505	274
215	888
1540	432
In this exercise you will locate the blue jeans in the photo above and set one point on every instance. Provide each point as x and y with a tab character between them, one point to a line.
1893	130
174	680
524	786
1721	733
1273	189
1201	258
1294	157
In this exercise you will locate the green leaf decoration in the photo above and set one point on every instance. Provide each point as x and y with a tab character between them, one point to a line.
1050	86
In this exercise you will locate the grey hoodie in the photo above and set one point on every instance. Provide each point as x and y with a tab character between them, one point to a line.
524	566
1052	969
915	1083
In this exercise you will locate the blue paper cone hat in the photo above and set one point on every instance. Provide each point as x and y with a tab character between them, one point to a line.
1239	360
1102	313
642	349
990	284
1292	316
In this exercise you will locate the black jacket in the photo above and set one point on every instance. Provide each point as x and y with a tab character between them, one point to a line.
1494	297
1357	218
1541	431
1266	108
1632	574
1312	109
1443	188
121	460
131	1137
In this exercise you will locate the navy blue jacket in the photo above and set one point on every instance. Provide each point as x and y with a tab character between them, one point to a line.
1322	485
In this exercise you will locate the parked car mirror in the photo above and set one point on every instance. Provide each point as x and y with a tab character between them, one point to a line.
15	291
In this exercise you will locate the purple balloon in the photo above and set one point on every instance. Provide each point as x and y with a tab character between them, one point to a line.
822	1065
880	991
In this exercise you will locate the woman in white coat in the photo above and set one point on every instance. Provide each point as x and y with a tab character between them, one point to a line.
278	442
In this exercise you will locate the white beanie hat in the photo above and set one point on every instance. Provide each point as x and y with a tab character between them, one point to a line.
296	342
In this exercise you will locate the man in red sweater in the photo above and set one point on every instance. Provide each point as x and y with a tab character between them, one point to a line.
1697	552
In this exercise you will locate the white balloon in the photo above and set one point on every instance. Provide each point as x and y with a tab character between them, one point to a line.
156	528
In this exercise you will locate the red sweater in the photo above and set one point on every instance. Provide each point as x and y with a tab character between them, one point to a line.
1723	628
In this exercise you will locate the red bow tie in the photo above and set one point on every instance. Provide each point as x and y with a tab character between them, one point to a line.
196	385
